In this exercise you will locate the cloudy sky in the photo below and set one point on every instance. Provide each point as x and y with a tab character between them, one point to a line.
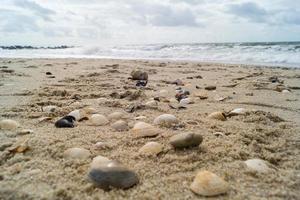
80	22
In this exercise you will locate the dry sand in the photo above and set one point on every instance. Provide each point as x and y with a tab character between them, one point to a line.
42	173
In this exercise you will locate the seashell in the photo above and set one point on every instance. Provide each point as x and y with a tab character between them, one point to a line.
151	148
8	124
217	116
116	116
99	161
65	122
165	120
183	140
257	165
142	129
120	126
285	91
185	102
98	120
77	153
25	132
139	75
207	183
78	114
50	109
238	111
151	103
108	174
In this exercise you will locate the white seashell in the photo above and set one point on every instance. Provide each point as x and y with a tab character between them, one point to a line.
98	120
116	116
207	183
166	120
142	129
99	161
285	91
217	115
77	153
257	165
238	111
8	124
50	109
151	148
120	125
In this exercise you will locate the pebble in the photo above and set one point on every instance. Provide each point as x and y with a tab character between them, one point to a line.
65	122
217	115
257	165
142	129
207	183
107	174
89	110
115	116
77	153
151	148
98	120
184	140
8	124
210	87
99	161
50	109
139	75
285	91
165	120
120	125
185	102
25	132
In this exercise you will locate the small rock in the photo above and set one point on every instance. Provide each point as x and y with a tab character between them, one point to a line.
207	183
111	174
115	116
185	102
217	115
120	125
166	120
151	104
151	148
8	124
257	165
142	129
98	120
25	132
77	153
178	82
139	75
285	91
210	87
99	161
183	140
65	122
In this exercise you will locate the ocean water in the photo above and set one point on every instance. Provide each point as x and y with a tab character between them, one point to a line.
263	53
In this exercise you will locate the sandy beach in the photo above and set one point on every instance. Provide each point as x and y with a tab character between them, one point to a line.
268	130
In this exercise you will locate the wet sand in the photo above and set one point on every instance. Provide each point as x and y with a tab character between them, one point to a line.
269	132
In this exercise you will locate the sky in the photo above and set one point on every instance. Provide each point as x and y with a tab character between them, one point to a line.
102	22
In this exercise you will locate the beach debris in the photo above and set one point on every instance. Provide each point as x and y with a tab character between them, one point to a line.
107	174
102	145
120	125
166	120
78	114
151	148
48	73
20	146
139	75
98	120
183	140
141	83
8	124
217	115
77	153
207	183
115	116
210	87
65	122
25	132
143	129
257	165
49	109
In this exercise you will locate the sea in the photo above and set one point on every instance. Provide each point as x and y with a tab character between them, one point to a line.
285	54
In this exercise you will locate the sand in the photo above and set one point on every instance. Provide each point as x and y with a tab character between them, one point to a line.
270	131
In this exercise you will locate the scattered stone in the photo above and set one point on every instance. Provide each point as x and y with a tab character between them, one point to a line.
139	75
65	122
48	73
210	87
120	125
142	129
77	153
115	116
10	71
50	109
207	183
184	140
151	148
285	91
108	174
217	116
257	165
8	124
99	161
165	120
98	120
249	94
25	132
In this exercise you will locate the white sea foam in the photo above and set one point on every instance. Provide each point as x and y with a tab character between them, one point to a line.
283	53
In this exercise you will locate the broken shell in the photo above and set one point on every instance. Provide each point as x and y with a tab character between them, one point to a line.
207	183
166	120
98	120
217	115
151	148
77	153
8	124
77	114
183	140
142	129
120	126
185	102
